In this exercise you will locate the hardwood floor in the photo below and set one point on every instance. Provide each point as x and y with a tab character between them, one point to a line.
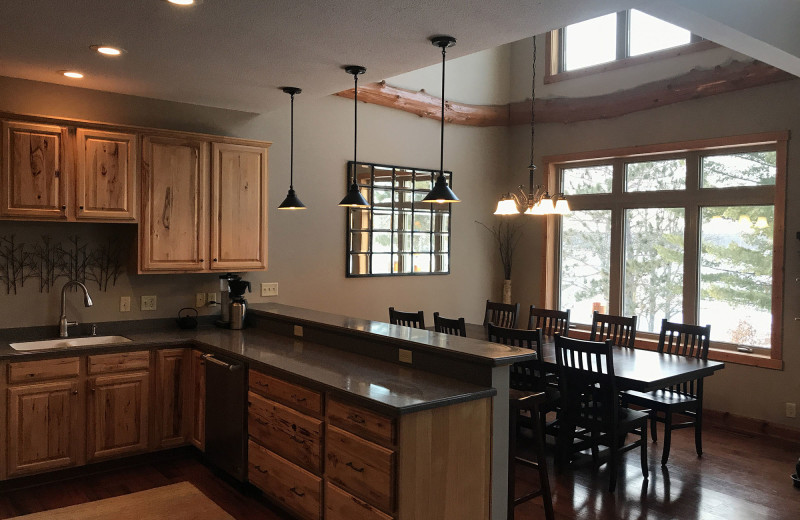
739	477
242	506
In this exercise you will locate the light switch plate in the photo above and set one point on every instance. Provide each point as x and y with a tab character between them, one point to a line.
404	355
148	303
124	304
200	299
298	331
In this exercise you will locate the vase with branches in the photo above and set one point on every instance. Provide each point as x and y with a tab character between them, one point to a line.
507	234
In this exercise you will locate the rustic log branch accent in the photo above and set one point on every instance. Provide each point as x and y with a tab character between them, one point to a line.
695	84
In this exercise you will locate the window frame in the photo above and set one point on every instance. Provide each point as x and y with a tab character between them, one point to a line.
395	228
692	199
555	49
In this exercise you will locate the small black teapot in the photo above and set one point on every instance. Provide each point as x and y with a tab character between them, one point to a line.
187	321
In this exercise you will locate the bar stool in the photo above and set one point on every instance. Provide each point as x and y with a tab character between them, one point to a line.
517	402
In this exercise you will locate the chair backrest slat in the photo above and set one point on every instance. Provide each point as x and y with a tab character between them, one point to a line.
551	321
692	341
456	326
409	319
621	330
501	314
525	375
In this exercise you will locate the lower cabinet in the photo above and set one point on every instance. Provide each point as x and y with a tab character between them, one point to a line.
428	465
43	430
197	435
117	415
172	403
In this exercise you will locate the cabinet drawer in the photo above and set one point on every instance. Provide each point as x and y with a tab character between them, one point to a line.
341	505
361	421
119	362
296	396
361	467
43	370
288	433
291	486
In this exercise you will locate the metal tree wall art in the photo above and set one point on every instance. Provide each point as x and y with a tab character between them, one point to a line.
49	260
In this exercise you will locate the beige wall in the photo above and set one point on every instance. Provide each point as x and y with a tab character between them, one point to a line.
306	249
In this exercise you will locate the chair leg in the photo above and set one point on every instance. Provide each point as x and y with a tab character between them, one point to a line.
643	450
513	414
653	430
541	461
667	437
698	431
613	455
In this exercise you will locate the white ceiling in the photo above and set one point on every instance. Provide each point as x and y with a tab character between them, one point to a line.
235	53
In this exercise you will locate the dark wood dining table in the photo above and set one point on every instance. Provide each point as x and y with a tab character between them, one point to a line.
635	369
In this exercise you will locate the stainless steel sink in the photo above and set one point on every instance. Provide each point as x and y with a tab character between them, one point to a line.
70	342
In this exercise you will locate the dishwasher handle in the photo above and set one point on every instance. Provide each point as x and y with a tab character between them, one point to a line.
229	366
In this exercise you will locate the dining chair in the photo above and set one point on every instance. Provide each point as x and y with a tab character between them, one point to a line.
551	321
409	319
501	314
621	330
529	376
691	341
591	413
454	326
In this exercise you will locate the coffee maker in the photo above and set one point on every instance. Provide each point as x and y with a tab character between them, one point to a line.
225	303
238	305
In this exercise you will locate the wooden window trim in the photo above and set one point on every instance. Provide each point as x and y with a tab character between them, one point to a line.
778	140
553	58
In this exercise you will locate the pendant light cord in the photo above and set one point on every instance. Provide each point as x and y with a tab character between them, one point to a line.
291	148
441	140
531	166
355	125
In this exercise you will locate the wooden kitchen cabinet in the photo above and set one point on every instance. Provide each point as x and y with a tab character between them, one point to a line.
34	171
106	176
172	404
238	207
173	228
197	434
117	415
44	408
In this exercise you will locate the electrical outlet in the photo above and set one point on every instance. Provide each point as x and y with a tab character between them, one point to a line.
269	289
298	331
148	303
200	299
791	410
404	355
212	299
124	304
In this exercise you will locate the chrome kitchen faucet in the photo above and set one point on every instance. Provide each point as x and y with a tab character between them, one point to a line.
63	324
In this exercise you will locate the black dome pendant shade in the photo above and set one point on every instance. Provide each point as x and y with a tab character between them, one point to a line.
291	201
354	199
441	192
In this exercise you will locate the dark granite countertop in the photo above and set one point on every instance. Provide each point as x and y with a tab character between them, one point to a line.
389	387
446	345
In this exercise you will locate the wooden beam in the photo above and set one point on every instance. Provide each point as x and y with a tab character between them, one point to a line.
696	84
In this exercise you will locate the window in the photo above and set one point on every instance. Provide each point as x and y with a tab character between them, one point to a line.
398	234
685	232
616	38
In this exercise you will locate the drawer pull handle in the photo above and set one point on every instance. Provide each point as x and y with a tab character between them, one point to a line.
351	466
298	493
356	418
260	469
299	399
298	441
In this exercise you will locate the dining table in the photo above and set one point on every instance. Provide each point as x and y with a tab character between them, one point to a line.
634	368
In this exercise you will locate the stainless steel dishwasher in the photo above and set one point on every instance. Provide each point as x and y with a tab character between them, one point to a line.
226	413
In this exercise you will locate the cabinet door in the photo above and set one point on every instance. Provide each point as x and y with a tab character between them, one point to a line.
239	207
173	408
173	232
197	435
43	431
34	180
105	177
117	415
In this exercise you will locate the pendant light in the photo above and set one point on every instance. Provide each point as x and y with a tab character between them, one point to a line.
354	199
291	201
537	201
441	192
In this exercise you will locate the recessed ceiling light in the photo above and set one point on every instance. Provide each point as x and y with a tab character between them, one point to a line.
185	2
107	50
71	74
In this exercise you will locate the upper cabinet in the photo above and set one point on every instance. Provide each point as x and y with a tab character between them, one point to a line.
106	175
197	218
173	232
33	175
238	207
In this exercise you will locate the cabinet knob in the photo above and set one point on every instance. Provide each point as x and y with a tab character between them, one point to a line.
202	259
63	206
74	392
80	207
215	259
